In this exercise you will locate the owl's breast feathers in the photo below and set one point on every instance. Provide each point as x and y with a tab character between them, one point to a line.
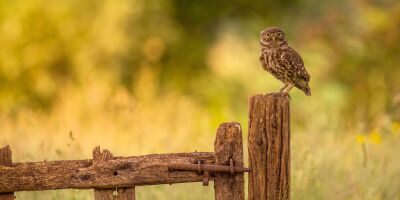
284	64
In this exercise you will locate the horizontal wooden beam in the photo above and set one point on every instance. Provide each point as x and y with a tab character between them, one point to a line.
84	174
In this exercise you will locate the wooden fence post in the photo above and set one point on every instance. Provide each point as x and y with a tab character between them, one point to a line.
229	147
107	194
269	147
126	193
6	160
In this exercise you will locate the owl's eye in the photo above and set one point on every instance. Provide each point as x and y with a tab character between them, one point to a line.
280	35
267	34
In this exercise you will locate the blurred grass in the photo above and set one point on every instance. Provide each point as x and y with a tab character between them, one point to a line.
325	163
139	77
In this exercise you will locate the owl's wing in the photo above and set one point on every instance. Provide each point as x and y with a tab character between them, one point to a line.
263	59
294	64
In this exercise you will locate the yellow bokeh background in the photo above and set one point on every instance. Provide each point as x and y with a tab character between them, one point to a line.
141	77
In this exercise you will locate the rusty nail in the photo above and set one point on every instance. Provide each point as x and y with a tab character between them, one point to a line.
199	167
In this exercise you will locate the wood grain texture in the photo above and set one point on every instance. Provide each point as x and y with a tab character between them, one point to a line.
108	194
103	194
99	157
269	147
229	144
117	172
126	193
6	160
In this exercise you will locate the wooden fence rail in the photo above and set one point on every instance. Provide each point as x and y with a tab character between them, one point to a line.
116	177
106	173
113	173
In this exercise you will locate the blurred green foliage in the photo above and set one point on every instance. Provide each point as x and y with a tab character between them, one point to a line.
48	44
182	67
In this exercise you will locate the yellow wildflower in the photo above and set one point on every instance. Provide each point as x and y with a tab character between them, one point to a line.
360	138
375	137
396	128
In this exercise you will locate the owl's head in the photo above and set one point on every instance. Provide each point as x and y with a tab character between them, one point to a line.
272	37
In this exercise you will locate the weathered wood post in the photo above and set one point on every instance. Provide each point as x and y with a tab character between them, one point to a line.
269	147
229	148
6	160
98	156
107	194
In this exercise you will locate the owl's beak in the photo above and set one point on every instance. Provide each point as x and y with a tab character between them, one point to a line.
274	40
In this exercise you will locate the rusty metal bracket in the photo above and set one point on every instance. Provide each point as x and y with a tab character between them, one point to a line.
231	166
207	168
206	176
199	167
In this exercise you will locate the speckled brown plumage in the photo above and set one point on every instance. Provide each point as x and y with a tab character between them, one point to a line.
283	62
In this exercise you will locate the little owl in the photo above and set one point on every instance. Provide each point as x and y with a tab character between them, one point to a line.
283	62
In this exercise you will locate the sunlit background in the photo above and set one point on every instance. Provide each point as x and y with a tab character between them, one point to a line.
159	76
